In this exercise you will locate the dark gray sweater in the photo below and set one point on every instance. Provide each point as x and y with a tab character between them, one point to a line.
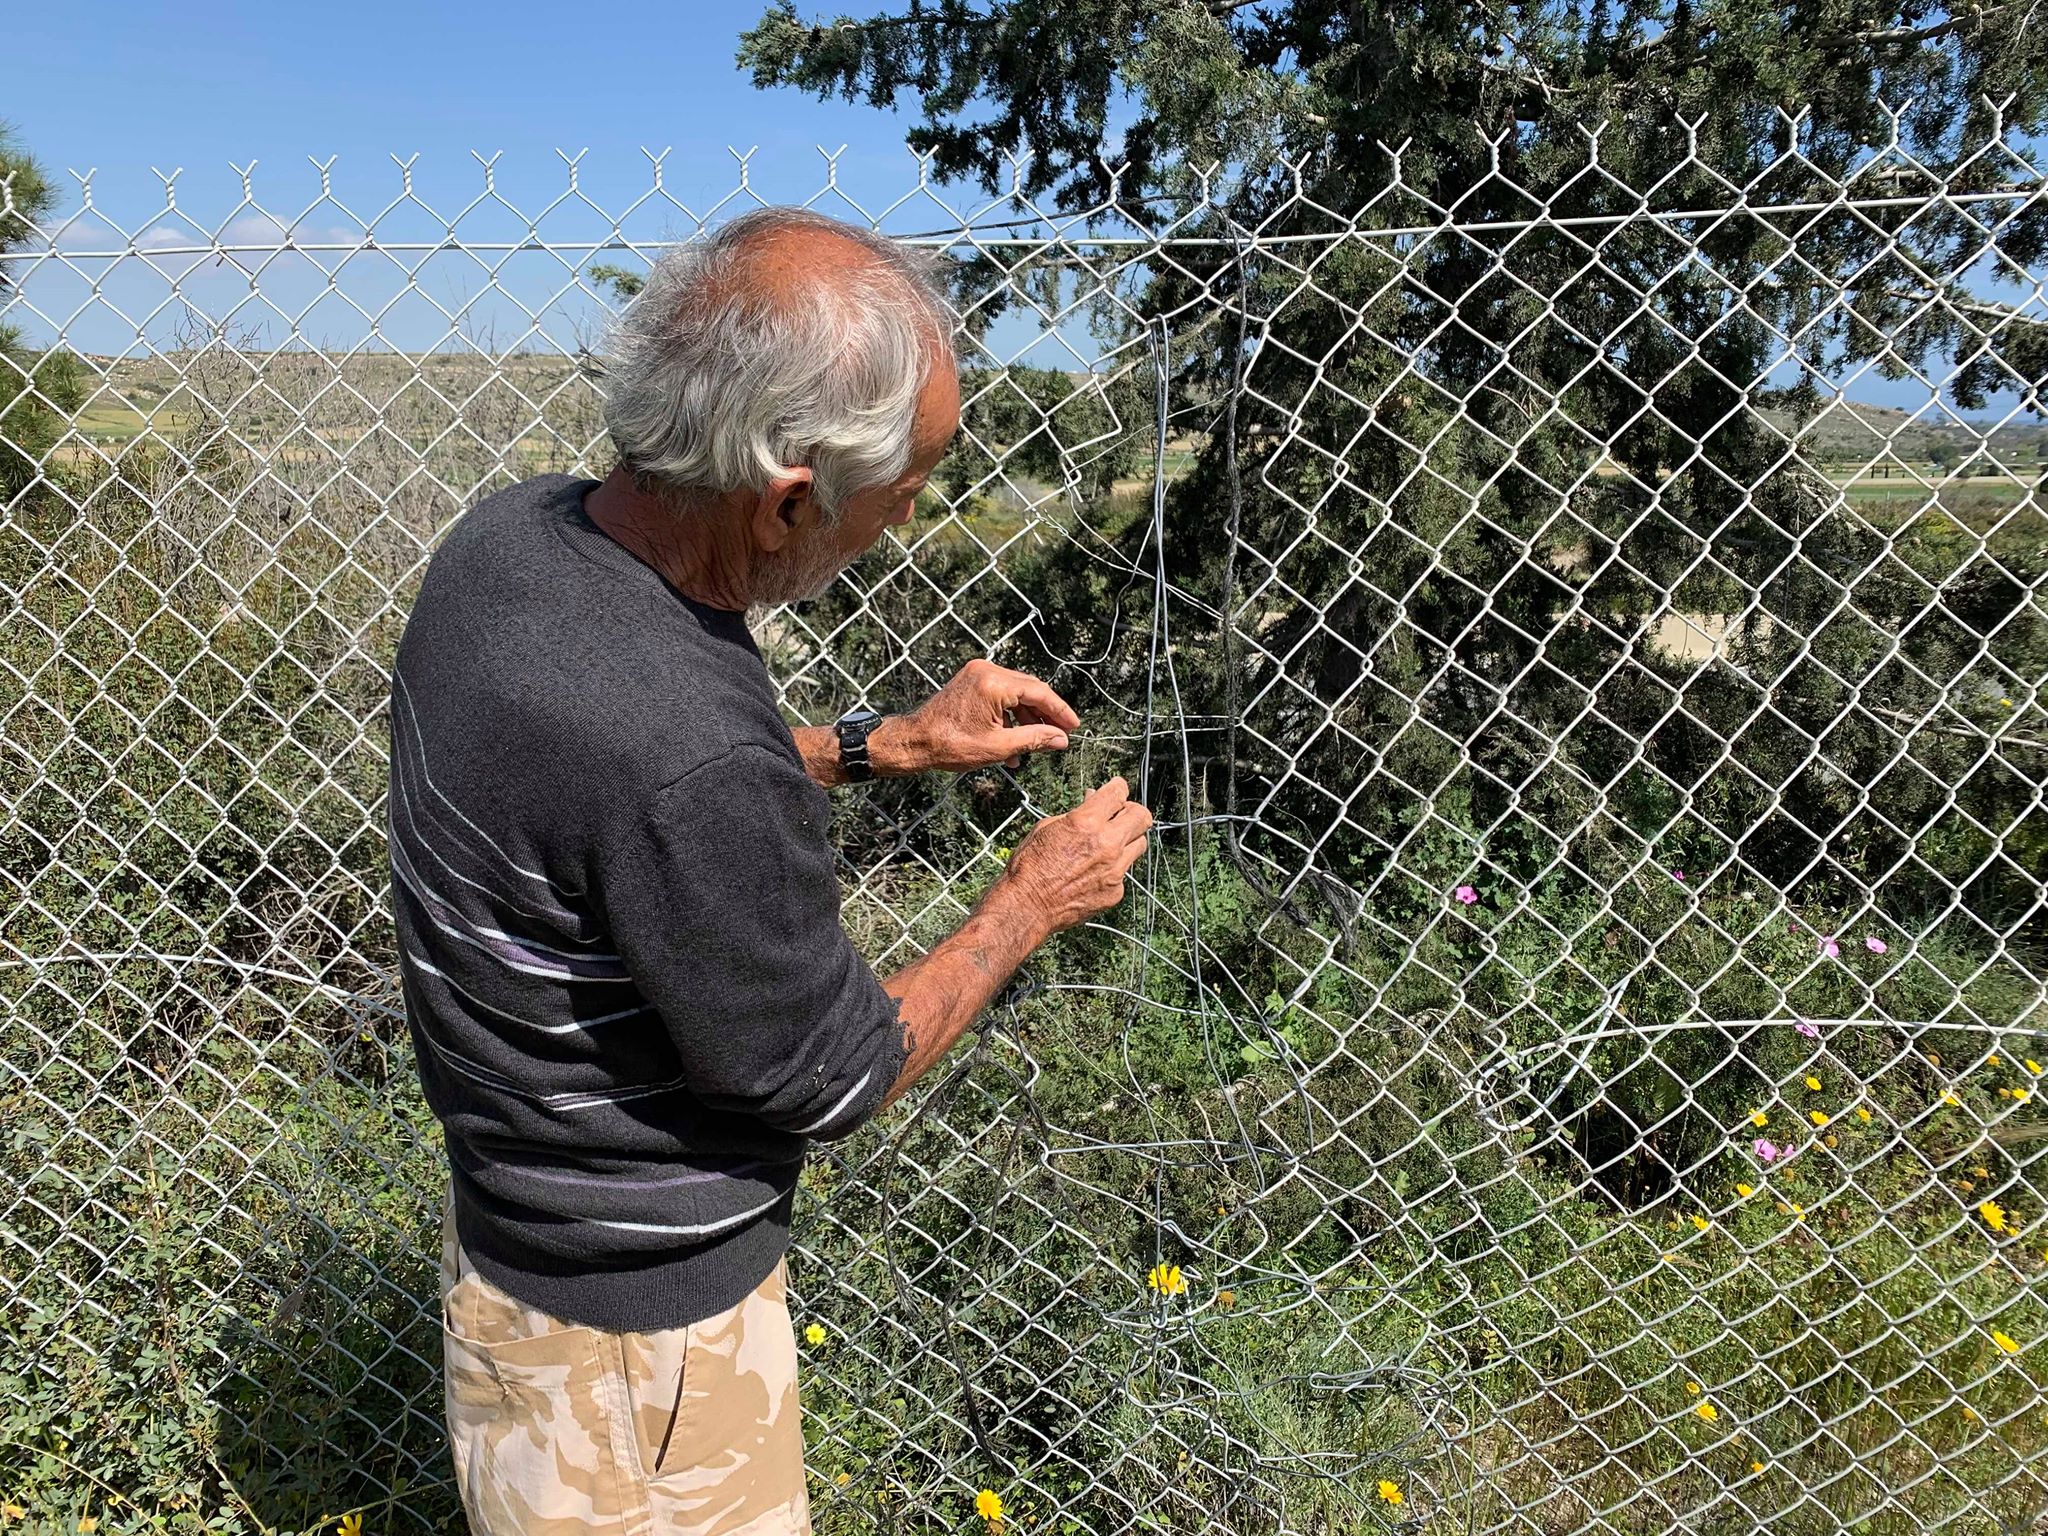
618	923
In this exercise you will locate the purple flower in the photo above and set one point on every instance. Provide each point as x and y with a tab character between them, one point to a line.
1875	945
1678	874
1807	1030
1466	894
1766	1150
1830	948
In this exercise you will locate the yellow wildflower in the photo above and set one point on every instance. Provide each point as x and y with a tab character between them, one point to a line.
1935	1057
1756	1466
1744	1190
1816	1117
1670	1258
843	1479
1167	1279
1701	1222
1391	1492
87	1524
1798	1211
1969	1412
351	1525
1993	1060
815	1333
1758	1117
2032	1066
2005	1341
1708	1412
2005	1093
1993	1214
1828	1140
1948	1096
989	1505
1813	1082
1982	1173
1692	1386
1226	1299
2021	1095
1863	1114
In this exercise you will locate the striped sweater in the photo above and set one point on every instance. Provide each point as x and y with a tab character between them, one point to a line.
618	925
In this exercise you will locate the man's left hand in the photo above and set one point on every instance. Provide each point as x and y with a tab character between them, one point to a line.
986	715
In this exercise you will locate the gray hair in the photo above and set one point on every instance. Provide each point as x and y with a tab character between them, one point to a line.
714	383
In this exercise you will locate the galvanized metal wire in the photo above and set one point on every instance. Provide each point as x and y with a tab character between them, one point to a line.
1435	1134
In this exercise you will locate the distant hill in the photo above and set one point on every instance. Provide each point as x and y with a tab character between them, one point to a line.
154	390
1851	433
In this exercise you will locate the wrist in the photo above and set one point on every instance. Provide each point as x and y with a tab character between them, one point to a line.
895	747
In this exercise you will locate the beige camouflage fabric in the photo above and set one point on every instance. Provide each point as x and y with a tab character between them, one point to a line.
559	1430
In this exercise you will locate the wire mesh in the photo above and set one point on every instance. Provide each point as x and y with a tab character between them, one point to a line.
1568	1063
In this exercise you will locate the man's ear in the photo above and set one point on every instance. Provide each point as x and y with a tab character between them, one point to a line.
784	505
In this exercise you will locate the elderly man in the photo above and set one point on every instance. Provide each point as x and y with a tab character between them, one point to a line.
624	968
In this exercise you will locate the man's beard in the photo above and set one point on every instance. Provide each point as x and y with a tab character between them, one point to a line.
796	575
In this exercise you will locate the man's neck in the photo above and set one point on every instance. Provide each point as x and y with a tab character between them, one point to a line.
699	555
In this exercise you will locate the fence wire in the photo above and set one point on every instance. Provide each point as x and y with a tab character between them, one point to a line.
1569	1062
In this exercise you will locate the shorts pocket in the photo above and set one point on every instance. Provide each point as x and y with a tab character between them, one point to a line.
727	1401
529	1402
536	1370
657	1370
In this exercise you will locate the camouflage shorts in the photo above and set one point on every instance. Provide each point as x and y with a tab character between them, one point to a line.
559	1430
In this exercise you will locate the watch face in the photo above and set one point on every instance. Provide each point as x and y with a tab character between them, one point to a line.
859	717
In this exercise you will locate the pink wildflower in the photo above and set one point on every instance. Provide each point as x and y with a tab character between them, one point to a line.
1766	1150
1875	945
1807	1030
1466	894
1678	874
1830	948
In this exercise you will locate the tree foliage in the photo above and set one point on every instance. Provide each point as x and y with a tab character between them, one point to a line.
1544	377
37	389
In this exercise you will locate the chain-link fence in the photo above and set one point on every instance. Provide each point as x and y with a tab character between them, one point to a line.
1569	1062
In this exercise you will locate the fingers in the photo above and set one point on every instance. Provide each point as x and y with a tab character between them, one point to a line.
1020	690
1132	820
1102	802
1031	738
1132	852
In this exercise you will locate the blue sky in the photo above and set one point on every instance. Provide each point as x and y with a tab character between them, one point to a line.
126	86
128	90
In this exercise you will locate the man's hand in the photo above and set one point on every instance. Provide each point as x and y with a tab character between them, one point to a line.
1067	869
1070	868
987	714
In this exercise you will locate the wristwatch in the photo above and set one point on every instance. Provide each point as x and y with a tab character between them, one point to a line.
853	728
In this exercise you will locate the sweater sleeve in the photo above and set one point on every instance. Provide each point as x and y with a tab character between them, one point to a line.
720	895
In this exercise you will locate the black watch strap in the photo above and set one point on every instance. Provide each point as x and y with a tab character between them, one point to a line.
853	728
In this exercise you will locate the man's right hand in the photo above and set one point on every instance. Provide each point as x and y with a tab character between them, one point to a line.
1071	867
